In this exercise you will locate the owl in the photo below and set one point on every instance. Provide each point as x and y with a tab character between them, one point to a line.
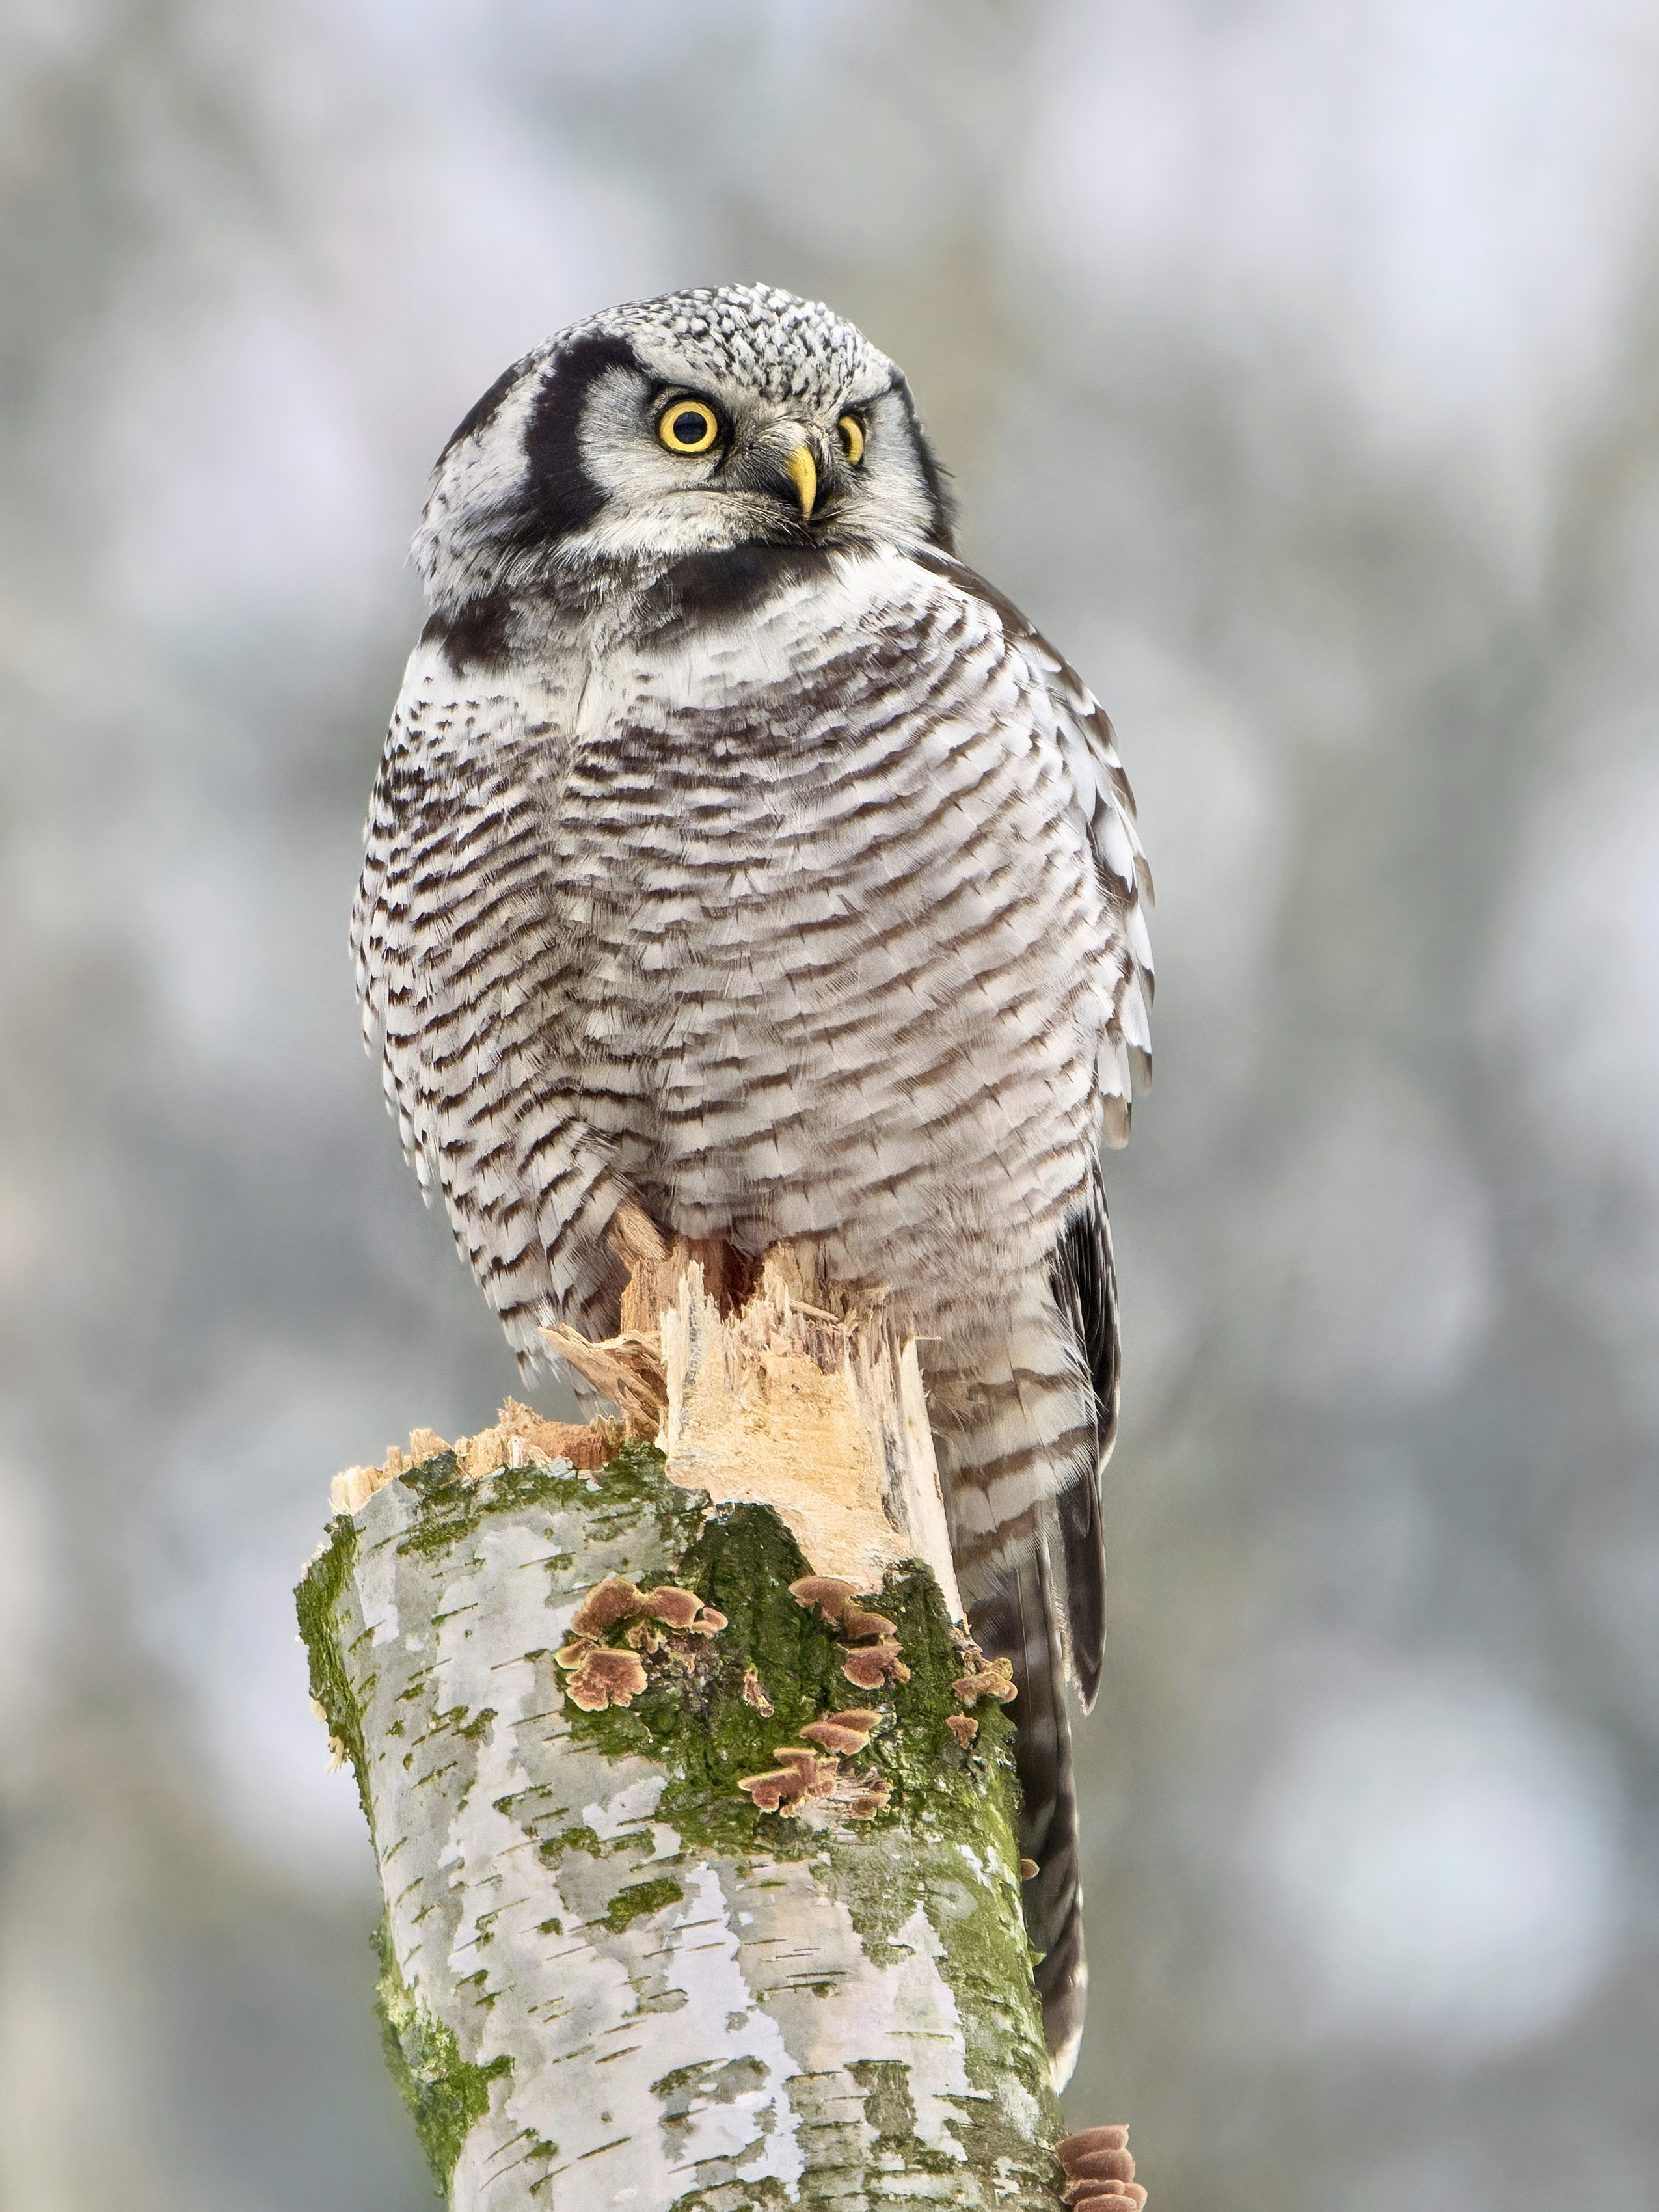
738	851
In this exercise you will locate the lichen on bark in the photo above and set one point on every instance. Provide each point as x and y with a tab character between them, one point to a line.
612	1971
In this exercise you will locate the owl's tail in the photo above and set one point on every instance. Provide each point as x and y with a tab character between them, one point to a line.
1030	1566
1018	1626
1021	1442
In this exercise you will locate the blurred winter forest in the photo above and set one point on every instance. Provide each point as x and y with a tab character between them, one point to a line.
1300	368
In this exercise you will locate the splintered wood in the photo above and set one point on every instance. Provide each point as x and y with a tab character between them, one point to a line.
761	1382
520	1437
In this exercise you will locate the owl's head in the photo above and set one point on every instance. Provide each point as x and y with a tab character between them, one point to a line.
698	422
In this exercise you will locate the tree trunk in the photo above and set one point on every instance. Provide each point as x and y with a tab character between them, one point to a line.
701	1885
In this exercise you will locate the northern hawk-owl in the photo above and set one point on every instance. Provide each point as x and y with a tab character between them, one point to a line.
738	850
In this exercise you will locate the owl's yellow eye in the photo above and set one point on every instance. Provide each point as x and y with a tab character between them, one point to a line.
688	426
850	431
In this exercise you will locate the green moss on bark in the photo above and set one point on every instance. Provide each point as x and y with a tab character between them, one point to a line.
631	1490
316	1601
640	1898
445	2094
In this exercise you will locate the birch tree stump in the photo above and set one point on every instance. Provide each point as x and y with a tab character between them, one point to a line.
697	1841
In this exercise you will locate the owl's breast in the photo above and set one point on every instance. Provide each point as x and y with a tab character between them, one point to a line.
829	926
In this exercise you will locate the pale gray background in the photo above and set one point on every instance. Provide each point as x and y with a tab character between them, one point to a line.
1298	363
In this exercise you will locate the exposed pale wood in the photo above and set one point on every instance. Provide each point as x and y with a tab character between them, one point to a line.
768	1382
634	1237
626	1368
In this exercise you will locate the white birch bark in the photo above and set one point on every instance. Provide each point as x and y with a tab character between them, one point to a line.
611	1978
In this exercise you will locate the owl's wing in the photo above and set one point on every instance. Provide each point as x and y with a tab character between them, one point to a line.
386	930
455	965
1082	1275
1084	1284
1106	804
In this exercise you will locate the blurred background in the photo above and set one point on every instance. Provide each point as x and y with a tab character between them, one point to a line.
1300	368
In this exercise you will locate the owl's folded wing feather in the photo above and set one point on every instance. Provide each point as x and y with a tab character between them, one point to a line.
1106	804
456	966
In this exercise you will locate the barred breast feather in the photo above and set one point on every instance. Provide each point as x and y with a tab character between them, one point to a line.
796	893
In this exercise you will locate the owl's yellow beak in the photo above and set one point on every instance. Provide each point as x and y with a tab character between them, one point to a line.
804	475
